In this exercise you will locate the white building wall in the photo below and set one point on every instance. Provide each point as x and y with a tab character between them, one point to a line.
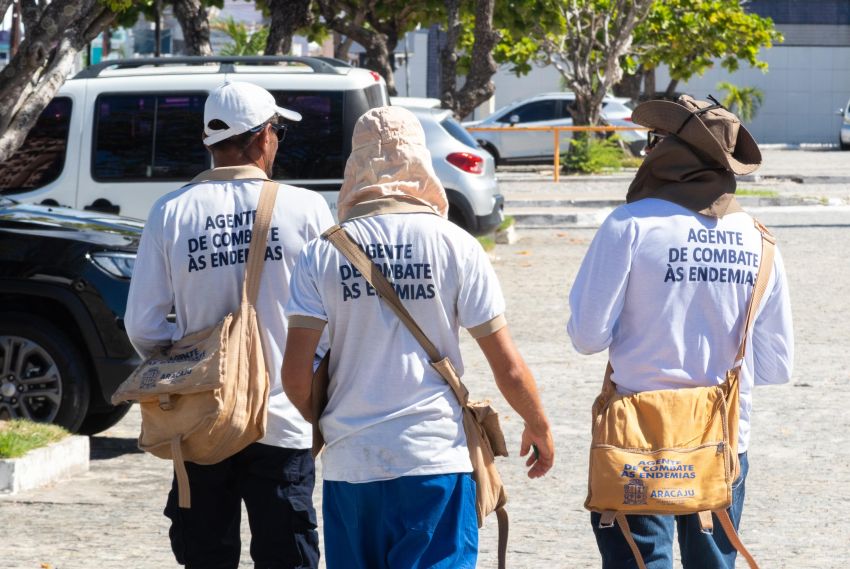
416	79
803	88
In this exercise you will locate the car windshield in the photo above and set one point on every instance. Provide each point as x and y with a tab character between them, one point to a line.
457	131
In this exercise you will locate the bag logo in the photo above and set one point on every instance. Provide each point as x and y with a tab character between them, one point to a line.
634	493
149	379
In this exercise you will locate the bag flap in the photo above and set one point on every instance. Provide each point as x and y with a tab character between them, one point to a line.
190	365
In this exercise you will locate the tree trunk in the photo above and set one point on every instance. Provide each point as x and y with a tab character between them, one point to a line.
43	62
287	17
649	88
478	86
630	85
341	47
670	92
448	56
378	58
194	22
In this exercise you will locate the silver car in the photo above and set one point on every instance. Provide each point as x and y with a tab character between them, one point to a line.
546	110
467	171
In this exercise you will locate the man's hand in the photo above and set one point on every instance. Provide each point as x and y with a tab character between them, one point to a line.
514	380
543	456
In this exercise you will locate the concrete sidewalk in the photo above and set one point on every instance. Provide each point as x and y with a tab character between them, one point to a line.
787	179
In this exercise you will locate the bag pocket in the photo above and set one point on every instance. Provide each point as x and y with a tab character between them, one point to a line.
663	481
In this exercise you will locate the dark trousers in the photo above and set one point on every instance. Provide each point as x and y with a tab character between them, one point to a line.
654	537
277	487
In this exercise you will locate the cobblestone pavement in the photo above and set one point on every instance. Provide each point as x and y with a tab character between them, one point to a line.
797	490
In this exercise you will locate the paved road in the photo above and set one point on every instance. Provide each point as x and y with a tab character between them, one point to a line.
797	492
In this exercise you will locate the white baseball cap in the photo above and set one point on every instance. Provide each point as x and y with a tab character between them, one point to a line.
241	106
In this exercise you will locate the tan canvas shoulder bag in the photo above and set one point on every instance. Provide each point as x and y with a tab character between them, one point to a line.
205	397
672	451
484	436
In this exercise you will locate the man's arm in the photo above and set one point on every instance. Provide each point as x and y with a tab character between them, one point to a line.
297	371
151	295
773	333
514	380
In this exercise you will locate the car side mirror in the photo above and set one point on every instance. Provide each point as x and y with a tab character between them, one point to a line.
840	112
514	119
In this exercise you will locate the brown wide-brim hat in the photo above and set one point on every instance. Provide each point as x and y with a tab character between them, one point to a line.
706	126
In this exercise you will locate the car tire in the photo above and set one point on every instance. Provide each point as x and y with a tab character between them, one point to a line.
843	145
492	150
33	349
96	423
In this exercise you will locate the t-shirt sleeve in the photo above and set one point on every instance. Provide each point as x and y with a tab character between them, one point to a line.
151	295
598	293
305	307
479	302
773	333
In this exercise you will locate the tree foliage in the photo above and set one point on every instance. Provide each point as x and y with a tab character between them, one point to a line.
688	36
377	25
586	45
743	101
242	40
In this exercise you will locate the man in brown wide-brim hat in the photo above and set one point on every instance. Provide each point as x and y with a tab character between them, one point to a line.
665	286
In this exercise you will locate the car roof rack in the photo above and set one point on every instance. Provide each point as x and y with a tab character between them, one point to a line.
227	64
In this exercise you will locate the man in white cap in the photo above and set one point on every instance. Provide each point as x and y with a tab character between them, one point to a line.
665	287
191	261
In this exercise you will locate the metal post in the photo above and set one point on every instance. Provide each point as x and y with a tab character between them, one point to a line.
157	34
557	153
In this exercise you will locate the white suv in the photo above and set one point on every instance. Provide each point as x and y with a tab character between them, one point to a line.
121	134
546	109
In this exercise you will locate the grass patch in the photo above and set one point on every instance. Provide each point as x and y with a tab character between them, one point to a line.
631	161
487	243
763	193
507	222
17	437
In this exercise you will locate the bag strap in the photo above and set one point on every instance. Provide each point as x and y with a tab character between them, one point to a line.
340	239
768	245
259	237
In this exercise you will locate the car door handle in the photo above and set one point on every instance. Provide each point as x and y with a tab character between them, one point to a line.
103	205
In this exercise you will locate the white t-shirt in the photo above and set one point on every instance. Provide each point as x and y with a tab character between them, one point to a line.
389	414
666	290
192	257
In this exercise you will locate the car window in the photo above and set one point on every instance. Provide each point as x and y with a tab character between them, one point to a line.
458	132
144	137
41	158
533	112
313	147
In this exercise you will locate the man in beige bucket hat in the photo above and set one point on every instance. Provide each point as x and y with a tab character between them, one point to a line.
398	490
664	287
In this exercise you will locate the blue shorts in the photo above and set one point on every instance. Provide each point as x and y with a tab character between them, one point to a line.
412	522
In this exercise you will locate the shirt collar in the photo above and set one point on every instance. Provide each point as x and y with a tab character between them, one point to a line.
389	204
224	173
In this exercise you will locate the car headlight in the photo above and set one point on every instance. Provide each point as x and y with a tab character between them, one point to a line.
115	264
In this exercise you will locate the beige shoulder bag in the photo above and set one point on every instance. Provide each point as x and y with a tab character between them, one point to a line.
484	436
205	397
672	451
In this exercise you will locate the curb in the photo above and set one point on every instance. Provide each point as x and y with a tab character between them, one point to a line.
45	465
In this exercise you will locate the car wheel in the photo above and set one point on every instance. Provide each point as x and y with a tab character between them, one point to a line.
492	150
843	145
43	376
98	422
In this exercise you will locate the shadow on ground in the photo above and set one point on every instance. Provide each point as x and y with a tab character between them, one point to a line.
105	448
